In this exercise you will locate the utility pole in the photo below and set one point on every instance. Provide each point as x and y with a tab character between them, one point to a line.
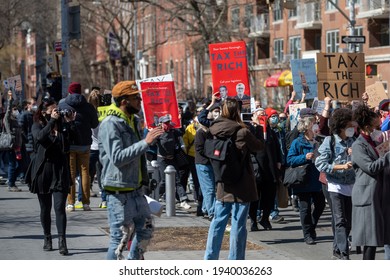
65	69
351	19
135	43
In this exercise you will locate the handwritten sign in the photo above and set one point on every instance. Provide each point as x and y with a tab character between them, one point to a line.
304	77
318	105
159	99
161	78
341	75
294	110
376	93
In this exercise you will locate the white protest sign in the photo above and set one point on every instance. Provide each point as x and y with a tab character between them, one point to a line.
294	110
162	78
383	148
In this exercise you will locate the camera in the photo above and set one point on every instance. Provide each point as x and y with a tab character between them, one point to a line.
246	117
66	113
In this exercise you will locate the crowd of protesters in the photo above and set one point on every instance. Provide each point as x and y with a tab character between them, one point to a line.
339	146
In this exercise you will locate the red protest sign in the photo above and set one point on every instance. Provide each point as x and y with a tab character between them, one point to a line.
159	99
229	69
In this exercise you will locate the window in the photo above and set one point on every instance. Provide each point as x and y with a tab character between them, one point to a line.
250	48
248	15
278	10
359	32
292	13
235	18
332	41
330	6
278	49
295	47
379	32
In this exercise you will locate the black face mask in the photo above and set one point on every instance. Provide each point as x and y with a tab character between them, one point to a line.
131	110
47	117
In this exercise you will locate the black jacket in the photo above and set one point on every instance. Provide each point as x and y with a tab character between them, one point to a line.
86	117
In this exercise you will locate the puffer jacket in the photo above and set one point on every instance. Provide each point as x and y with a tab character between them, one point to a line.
11	125
86	117
246	142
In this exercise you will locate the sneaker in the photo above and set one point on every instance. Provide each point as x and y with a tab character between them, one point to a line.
310	241
185	205
69	208
78	205
276	219
86	207
14	189
228	228
265	224
103	204
336	254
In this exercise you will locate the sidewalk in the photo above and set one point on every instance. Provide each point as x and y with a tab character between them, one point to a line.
21	234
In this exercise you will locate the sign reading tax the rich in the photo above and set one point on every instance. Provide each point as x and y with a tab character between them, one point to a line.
230	69
341	76
159	99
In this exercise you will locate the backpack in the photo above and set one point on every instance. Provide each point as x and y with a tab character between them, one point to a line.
225	159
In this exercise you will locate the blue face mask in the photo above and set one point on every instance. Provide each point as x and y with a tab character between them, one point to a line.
273	120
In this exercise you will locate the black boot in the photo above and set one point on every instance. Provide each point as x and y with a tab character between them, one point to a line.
62	245
47	243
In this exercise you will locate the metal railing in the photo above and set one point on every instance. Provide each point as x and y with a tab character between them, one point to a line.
309	12
260	24
370	5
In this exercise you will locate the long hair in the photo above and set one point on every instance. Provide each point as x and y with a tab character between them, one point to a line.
38	116
94	98
230	110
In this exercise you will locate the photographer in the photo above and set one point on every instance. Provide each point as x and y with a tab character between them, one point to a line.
86	119
48	173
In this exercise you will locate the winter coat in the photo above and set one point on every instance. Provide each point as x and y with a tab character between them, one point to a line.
51	157
246	143
368	202
86	117
11	124
297	157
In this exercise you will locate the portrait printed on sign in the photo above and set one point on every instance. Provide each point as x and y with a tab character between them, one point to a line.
159	99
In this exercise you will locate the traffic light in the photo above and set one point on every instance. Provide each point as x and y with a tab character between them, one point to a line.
371	70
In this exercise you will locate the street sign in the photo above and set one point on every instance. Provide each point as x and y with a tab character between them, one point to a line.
353	39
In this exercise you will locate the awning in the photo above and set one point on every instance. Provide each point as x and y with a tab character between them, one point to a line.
285	79
273	81
280	79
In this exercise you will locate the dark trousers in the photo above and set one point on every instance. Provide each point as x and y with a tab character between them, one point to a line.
181	194
327	196
309	218
267	193
45	203
185	173
342	214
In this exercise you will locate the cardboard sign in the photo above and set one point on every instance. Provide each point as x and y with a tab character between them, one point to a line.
294	110
159	99
341	76
376	93
229	70
304	77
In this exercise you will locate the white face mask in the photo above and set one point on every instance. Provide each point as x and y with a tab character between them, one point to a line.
215	114
15	113
315	128
350	132
376	135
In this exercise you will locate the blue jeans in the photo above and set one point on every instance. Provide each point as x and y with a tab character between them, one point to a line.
128	212
207	185
238	233
12	168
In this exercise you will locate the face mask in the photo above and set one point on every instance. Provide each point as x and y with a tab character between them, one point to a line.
215	114
48	117
131	110
273	120
376	135
315	128
34	108
15	113
350	132
166	126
